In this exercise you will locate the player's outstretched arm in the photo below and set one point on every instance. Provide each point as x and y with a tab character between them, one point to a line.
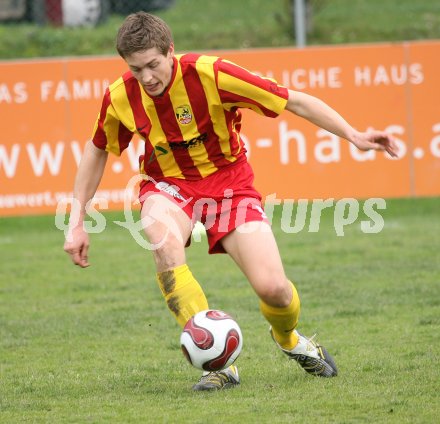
322	115
88	177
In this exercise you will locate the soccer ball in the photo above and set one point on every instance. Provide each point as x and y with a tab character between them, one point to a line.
211	340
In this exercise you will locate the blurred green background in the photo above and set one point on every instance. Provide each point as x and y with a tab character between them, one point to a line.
231	24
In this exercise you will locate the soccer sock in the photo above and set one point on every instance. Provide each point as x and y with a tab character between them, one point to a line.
182	292
283	321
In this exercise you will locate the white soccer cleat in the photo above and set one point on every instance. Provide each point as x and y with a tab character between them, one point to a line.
311	356
218	380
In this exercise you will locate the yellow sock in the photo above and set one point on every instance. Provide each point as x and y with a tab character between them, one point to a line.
182	292
283	321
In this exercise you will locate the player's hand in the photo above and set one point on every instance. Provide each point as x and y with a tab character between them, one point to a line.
376	140
77	246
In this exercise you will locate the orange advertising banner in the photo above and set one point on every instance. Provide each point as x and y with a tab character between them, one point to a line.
48	109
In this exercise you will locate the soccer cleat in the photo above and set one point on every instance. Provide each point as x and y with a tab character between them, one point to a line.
311	356
218	380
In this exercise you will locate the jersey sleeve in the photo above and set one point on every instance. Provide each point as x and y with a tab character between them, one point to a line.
109	133
239	87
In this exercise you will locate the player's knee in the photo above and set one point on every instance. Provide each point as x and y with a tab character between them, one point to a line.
162	234
277	293
168	250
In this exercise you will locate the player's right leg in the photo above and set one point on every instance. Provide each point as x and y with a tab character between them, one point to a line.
168	228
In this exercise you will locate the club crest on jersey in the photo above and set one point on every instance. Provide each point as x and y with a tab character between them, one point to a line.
183	114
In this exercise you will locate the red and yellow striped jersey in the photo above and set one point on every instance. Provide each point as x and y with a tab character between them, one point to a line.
193	128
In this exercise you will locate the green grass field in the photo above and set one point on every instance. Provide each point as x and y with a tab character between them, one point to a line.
99	346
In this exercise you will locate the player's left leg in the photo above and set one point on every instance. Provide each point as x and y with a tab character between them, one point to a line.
253	247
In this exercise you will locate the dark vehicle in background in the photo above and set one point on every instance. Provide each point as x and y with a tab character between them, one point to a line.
73	12
125	7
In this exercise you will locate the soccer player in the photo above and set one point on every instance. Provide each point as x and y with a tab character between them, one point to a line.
187	109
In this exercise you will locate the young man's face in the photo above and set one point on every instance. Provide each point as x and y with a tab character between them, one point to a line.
152	69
